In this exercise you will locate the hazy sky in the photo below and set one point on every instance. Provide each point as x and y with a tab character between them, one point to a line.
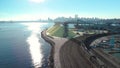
35	9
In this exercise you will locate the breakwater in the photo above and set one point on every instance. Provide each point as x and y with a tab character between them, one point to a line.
51	57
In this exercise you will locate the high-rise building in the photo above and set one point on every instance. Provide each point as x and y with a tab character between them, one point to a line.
76	16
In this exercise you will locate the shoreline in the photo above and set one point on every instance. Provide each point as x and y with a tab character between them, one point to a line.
51	56
56	43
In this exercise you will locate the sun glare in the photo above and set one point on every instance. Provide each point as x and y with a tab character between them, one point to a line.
37	1
34	44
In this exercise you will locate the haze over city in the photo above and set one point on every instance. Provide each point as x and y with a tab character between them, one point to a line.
42	9
59	33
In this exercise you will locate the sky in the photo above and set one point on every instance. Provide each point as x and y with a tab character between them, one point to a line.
42	9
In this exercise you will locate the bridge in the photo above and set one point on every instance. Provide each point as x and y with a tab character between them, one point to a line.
96	57
107	60
77	53
111	27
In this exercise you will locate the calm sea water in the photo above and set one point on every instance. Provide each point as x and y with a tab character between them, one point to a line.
21	45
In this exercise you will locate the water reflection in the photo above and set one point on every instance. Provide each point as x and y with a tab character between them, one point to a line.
34	43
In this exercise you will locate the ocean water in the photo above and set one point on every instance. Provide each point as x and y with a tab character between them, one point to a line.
21	45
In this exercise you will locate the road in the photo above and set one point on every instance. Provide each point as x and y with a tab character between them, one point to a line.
71	56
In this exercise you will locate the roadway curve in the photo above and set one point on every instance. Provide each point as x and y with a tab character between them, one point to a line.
72	56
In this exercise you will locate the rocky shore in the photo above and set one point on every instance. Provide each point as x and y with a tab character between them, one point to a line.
51	60
56	43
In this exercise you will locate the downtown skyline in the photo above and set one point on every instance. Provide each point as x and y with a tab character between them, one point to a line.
42	9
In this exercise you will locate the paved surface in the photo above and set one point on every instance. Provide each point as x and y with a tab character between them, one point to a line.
58	44
71	56
68	54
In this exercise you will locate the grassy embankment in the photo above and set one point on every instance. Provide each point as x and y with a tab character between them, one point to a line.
58	31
